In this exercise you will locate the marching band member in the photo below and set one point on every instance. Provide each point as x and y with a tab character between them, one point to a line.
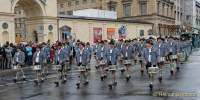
135	47
150	58
60	59
95	48
66	49
38	59
141	46
101	58
18	61
46	51
150	55
112	57
172	54
82	60
73	46
127	52
89	49
162	52
120	45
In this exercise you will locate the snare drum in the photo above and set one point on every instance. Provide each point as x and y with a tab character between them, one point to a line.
57	67
174	57
161	59
82	68
37	67
112	68
102	62
153	70
127	62
140	58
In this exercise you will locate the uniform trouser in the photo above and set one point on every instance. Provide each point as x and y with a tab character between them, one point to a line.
1	63
71	60
29	60
60	75
160	65
8	62
102	68
127	66
65	66
151	76
38	73
62	72
83	77
112	72
20	69
90	57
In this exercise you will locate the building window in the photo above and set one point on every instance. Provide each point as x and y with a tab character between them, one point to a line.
158	8
178	16
143	8
181	17
167	10
127	9
62	13
172	11
141	33
61	5
69	3
93	1
77	2
188	17
112	6
84	1
69	12
163	9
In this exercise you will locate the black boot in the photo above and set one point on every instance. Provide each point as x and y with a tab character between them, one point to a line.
128	78
172	72
115	84
105	76
122	71
177	68
23	79
142	72
64	81
110	86
15	80
151	87
36	82
57	84
86	83
102	78
77	85
160	79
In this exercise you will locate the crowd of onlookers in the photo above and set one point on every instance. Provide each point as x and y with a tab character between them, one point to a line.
8	50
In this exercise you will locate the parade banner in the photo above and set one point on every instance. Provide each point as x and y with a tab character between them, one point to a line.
97	34
110	33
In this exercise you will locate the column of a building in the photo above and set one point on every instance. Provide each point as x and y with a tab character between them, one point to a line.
135	8
119	9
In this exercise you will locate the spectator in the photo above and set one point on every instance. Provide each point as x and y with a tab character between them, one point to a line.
8	52
29	54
